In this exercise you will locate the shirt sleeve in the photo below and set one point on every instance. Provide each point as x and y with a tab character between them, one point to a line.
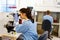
52	19
22	28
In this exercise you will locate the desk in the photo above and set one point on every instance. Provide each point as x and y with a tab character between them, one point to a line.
10	36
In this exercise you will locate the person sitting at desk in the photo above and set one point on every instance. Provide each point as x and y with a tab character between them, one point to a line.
49	18
27	28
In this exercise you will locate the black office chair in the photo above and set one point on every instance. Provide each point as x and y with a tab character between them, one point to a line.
46	26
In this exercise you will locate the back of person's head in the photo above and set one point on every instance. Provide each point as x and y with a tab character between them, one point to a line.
27	11
48	12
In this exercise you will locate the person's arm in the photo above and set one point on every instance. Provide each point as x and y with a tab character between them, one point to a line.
22	28
52	20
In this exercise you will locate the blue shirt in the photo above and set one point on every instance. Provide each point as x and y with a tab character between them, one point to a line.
28	29
48	17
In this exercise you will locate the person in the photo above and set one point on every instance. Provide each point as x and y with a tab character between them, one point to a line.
50	18
27	28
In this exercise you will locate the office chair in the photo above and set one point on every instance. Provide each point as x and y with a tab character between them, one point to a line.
46	26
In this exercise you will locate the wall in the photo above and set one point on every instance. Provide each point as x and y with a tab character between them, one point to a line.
40	5
47	5
25	3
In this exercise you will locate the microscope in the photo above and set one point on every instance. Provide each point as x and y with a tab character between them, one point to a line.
11	24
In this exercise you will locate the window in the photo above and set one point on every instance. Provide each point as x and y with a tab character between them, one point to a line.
7	5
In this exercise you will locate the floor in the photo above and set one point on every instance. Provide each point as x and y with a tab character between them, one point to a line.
55	38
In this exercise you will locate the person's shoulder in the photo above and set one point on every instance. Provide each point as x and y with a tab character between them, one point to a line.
28	22
51	16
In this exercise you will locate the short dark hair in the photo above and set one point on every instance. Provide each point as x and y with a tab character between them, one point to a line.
48	12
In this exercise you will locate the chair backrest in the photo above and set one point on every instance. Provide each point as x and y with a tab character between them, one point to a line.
44	36
46	25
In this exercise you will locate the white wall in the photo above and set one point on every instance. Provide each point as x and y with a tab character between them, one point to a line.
47	5
25	3
40	5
